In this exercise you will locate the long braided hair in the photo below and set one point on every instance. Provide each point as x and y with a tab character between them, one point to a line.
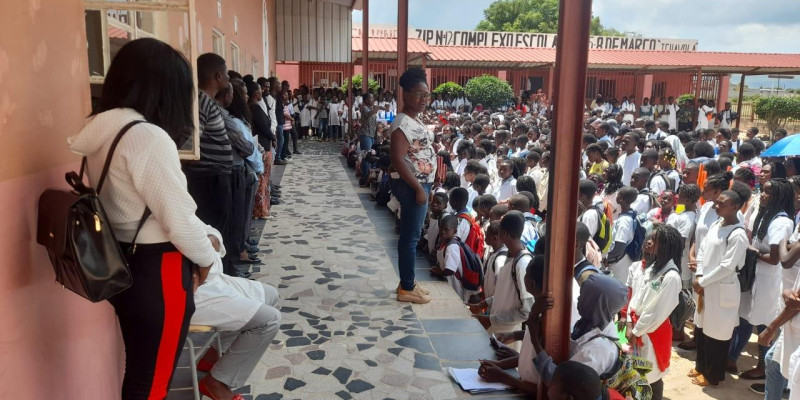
613	179
781	199
669	248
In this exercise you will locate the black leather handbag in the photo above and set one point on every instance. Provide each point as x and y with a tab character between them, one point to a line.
73	226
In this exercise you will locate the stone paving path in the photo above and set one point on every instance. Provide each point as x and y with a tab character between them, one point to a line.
332	256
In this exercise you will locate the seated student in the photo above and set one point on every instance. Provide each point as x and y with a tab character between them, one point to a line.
493	371
575	381
458	203
622	232
593	337
246	313
506	185
646	200
449	263
482	184
496	259
510	305
497	212
438	207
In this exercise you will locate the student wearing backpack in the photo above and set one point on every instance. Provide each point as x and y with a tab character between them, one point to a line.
646	200
493	371
594	340
469	231
593	216
510	304
496	259
720	255
450	260
530	234
685	223
667	162
628	236
655	285
758	307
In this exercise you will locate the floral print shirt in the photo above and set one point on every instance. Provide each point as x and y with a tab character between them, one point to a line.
421	157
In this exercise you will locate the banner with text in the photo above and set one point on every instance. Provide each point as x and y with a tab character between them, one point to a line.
441	37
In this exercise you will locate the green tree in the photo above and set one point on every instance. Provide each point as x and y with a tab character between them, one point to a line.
530	16
488	90
776	111
374	87
450	89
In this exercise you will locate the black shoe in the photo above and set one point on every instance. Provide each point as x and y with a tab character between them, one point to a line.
280	162
277	187
274	201
758	388
252	242
242	274
297	152
288	156
252	250
251	260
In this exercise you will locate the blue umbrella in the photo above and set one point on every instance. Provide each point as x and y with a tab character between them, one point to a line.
788	146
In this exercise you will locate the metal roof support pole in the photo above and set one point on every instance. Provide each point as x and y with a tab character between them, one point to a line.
698	83
364	47
572	57
402	45
741	98
550	78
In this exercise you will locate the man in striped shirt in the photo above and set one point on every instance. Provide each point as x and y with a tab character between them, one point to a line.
209	178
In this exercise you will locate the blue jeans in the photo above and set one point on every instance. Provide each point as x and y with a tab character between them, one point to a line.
741	335
412	217
775	382
279	147
323	128
366	142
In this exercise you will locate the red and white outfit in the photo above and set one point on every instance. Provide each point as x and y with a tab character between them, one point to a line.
653	297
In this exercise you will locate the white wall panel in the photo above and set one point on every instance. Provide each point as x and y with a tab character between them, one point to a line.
313	31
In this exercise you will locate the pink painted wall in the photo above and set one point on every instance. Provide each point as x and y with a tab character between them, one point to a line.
53	344
289	72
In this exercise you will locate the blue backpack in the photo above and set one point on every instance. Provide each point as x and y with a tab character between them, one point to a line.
536	222
634	248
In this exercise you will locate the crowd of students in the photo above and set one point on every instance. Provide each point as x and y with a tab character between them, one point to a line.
667	220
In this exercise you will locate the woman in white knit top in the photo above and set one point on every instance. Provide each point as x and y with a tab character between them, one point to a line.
151	82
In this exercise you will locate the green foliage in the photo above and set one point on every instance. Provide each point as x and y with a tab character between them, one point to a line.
357	81
775	111
449	89
682	98
746	98
488	90
530	16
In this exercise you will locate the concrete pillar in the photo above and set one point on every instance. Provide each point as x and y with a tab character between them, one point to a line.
365	47
647	88
722	92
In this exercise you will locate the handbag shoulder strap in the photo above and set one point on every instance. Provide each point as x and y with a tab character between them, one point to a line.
110	155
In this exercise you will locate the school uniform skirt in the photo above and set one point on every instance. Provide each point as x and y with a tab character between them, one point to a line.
154	315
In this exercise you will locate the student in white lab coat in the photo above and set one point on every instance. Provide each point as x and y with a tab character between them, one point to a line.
758	307
780	357
719	256
507	185
655	285
246	313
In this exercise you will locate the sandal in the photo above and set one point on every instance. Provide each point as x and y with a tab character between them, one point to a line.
701	381
693	373
204	391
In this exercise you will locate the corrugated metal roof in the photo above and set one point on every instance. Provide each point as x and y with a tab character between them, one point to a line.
617	59
388	45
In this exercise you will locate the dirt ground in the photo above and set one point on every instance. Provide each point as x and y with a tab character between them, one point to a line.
677	386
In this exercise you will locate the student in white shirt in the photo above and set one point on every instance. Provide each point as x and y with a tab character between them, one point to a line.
628	109
593	338
507	185
645	200
772	226
655	285
465	152
702	115
672	113
629	159
720	255
685	223
511	303
496	260
653	131
623	231
335	113
437	208
493	371
449	262
458	203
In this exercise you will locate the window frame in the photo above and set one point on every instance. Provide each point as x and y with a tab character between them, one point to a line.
191	150
216	34
236	56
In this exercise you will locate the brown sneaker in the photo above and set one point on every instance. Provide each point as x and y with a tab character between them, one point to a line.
413	296
421	289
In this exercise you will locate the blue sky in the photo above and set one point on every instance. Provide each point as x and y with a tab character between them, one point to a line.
764	26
